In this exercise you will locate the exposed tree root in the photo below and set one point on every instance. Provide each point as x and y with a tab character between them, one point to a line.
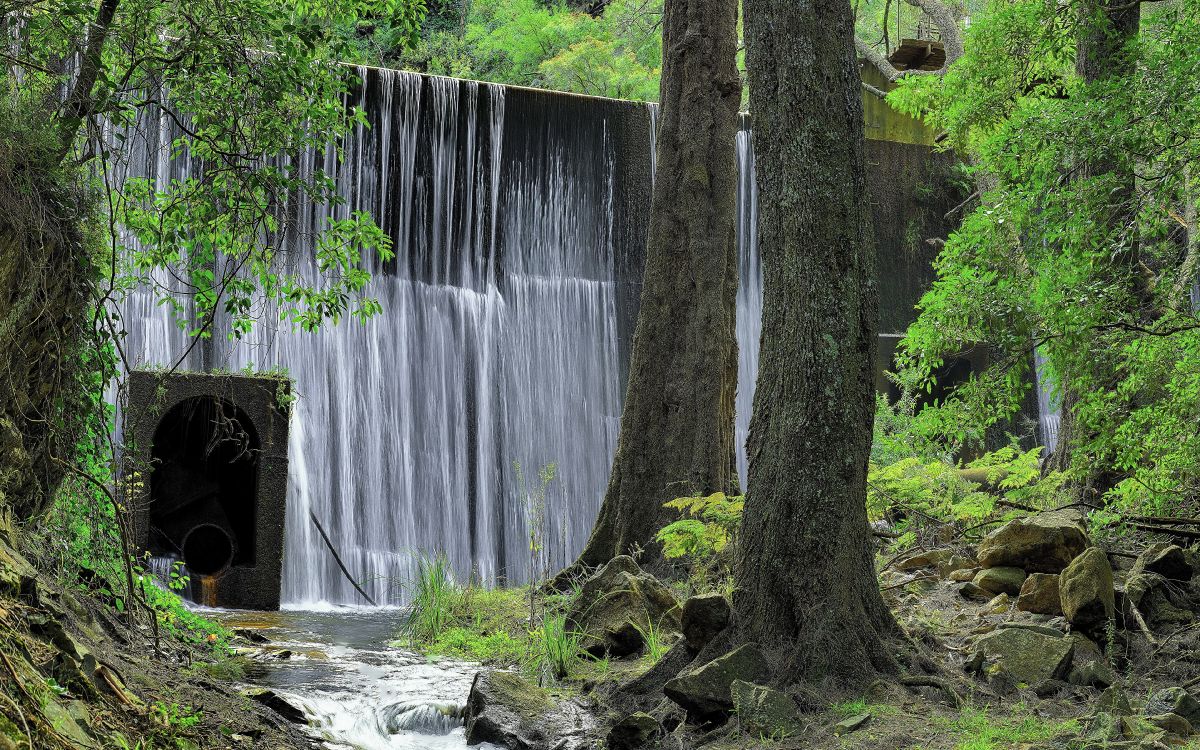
954	697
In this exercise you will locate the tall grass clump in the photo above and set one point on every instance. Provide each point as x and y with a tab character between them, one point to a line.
433	599
560	647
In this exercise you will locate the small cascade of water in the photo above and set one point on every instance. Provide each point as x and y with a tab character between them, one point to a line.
356	692
422	718
1049	411
749	294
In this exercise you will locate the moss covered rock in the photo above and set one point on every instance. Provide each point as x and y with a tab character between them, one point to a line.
1039	594
617	607
764	711
1044	543
1167	560
1028	656
704	616
707	690
634	732
1086	590
506	710
1001	580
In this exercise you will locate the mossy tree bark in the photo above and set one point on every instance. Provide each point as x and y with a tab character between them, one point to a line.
48	305
676	436
44	300
806	583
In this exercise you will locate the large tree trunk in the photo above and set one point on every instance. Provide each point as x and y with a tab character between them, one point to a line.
676	434
806	581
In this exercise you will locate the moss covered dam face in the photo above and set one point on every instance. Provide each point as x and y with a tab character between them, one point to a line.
519	221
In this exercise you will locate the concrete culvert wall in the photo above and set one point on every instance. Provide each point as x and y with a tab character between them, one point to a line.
209	456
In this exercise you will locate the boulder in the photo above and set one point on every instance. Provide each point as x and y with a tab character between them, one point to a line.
1171	724
1174	700
1161	607
1089	667
1167	560
634	732
764	711
704	616
1086	590
505	710
955	564
278	704
706	690
1034	627
617	605
851	724
1039	594
1028	656
1044	543
962	575
1114	701
1000	580
928	559
997	606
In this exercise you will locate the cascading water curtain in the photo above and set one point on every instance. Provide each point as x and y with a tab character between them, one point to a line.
498	341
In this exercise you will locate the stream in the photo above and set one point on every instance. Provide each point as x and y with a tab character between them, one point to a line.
358	692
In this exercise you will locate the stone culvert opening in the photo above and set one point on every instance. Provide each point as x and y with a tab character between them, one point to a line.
203	485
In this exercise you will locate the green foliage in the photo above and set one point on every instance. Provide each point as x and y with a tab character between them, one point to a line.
468	622
489	625
978	729
712	524
914	482
173	716
933	488
496	646
1090	266
704	539
652	637
542	44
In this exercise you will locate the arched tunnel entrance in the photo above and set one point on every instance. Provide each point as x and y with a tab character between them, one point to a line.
203	485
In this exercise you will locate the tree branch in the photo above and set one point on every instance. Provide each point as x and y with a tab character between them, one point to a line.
79	102
874	91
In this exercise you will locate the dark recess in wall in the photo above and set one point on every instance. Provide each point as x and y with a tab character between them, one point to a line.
210	456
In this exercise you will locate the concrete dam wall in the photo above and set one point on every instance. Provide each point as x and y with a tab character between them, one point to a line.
519	220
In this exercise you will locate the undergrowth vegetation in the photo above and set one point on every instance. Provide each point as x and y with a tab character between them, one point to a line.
981	729
489	625
919	490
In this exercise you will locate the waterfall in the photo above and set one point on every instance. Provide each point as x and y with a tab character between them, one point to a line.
499	343
749	294
1049	410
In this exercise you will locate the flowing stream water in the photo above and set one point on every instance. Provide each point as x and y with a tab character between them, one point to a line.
358	692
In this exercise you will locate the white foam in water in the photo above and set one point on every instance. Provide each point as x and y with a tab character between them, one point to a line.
356	692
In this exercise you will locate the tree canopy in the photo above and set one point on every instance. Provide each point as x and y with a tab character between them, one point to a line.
1039	264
